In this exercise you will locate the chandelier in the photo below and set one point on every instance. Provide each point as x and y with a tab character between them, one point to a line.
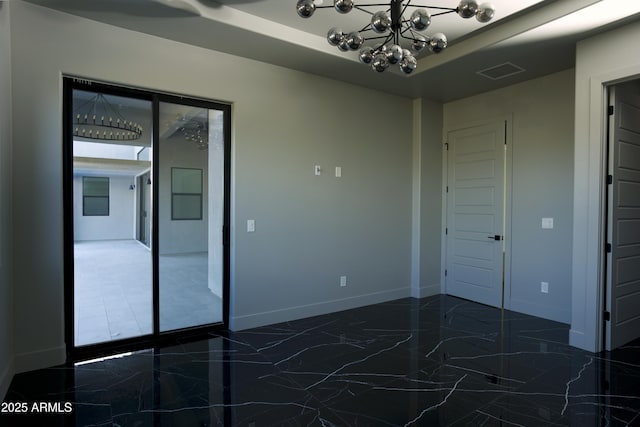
98	119
196	131
390	29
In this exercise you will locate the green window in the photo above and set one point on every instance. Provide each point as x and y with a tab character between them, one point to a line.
186	194
95	196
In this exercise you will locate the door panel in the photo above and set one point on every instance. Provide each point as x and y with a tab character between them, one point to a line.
112	281
191	202
475	211
623	263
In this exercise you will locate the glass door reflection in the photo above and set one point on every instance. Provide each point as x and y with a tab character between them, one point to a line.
112	282
190	215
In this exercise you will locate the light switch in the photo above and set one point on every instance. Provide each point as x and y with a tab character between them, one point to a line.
338	172
317	170
547	223
251	225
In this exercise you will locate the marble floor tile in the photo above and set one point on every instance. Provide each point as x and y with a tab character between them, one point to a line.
438	361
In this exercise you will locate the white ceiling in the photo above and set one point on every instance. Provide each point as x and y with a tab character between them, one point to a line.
538	36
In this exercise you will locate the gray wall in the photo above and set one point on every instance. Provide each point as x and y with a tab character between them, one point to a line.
602	60
542	117
310	229
6	280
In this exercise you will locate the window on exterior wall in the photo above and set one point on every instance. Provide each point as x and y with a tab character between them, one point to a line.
95	196
186	194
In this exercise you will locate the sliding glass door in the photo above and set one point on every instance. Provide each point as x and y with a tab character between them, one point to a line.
146	197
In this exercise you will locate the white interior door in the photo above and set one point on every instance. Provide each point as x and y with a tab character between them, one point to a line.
623	266
475	213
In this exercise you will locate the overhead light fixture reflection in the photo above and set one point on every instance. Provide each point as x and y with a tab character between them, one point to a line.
398	38
98	119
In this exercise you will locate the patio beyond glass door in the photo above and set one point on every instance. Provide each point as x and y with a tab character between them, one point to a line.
190	215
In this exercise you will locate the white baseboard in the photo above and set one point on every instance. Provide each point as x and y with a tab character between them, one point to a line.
555	314
429	290
5	379
31	361
239	323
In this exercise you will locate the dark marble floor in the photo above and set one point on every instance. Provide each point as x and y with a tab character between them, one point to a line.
439	361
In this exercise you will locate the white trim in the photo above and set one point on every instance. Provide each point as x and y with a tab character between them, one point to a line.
443	235
416	201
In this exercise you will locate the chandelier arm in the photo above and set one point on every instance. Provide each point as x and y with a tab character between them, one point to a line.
362	9
450	9
412	38
445	13
367	5
376	38
388	38
404	9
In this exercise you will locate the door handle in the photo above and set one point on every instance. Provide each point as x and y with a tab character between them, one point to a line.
496	237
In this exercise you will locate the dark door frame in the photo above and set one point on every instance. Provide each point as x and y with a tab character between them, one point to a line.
70	84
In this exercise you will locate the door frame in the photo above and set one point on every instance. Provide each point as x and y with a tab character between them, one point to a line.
507	212
69	84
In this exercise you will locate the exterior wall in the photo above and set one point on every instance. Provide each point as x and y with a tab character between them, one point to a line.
6	278
541	112
310	230
121	220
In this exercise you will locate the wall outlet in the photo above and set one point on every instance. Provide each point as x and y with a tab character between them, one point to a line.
544	287
343	281
251	225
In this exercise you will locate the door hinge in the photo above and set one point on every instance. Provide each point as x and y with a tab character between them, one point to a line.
609	179
445	273
607	316
446	231
447	189
610	110
607	248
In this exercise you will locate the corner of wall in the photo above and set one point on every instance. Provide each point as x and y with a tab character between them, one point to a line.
41	359
7	365
5	378
416	198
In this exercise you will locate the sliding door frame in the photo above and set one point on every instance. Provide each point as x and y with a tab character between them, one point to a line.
156	337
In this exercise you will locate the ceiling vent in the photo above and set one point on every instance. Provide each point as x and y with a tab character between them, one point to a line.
501	71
